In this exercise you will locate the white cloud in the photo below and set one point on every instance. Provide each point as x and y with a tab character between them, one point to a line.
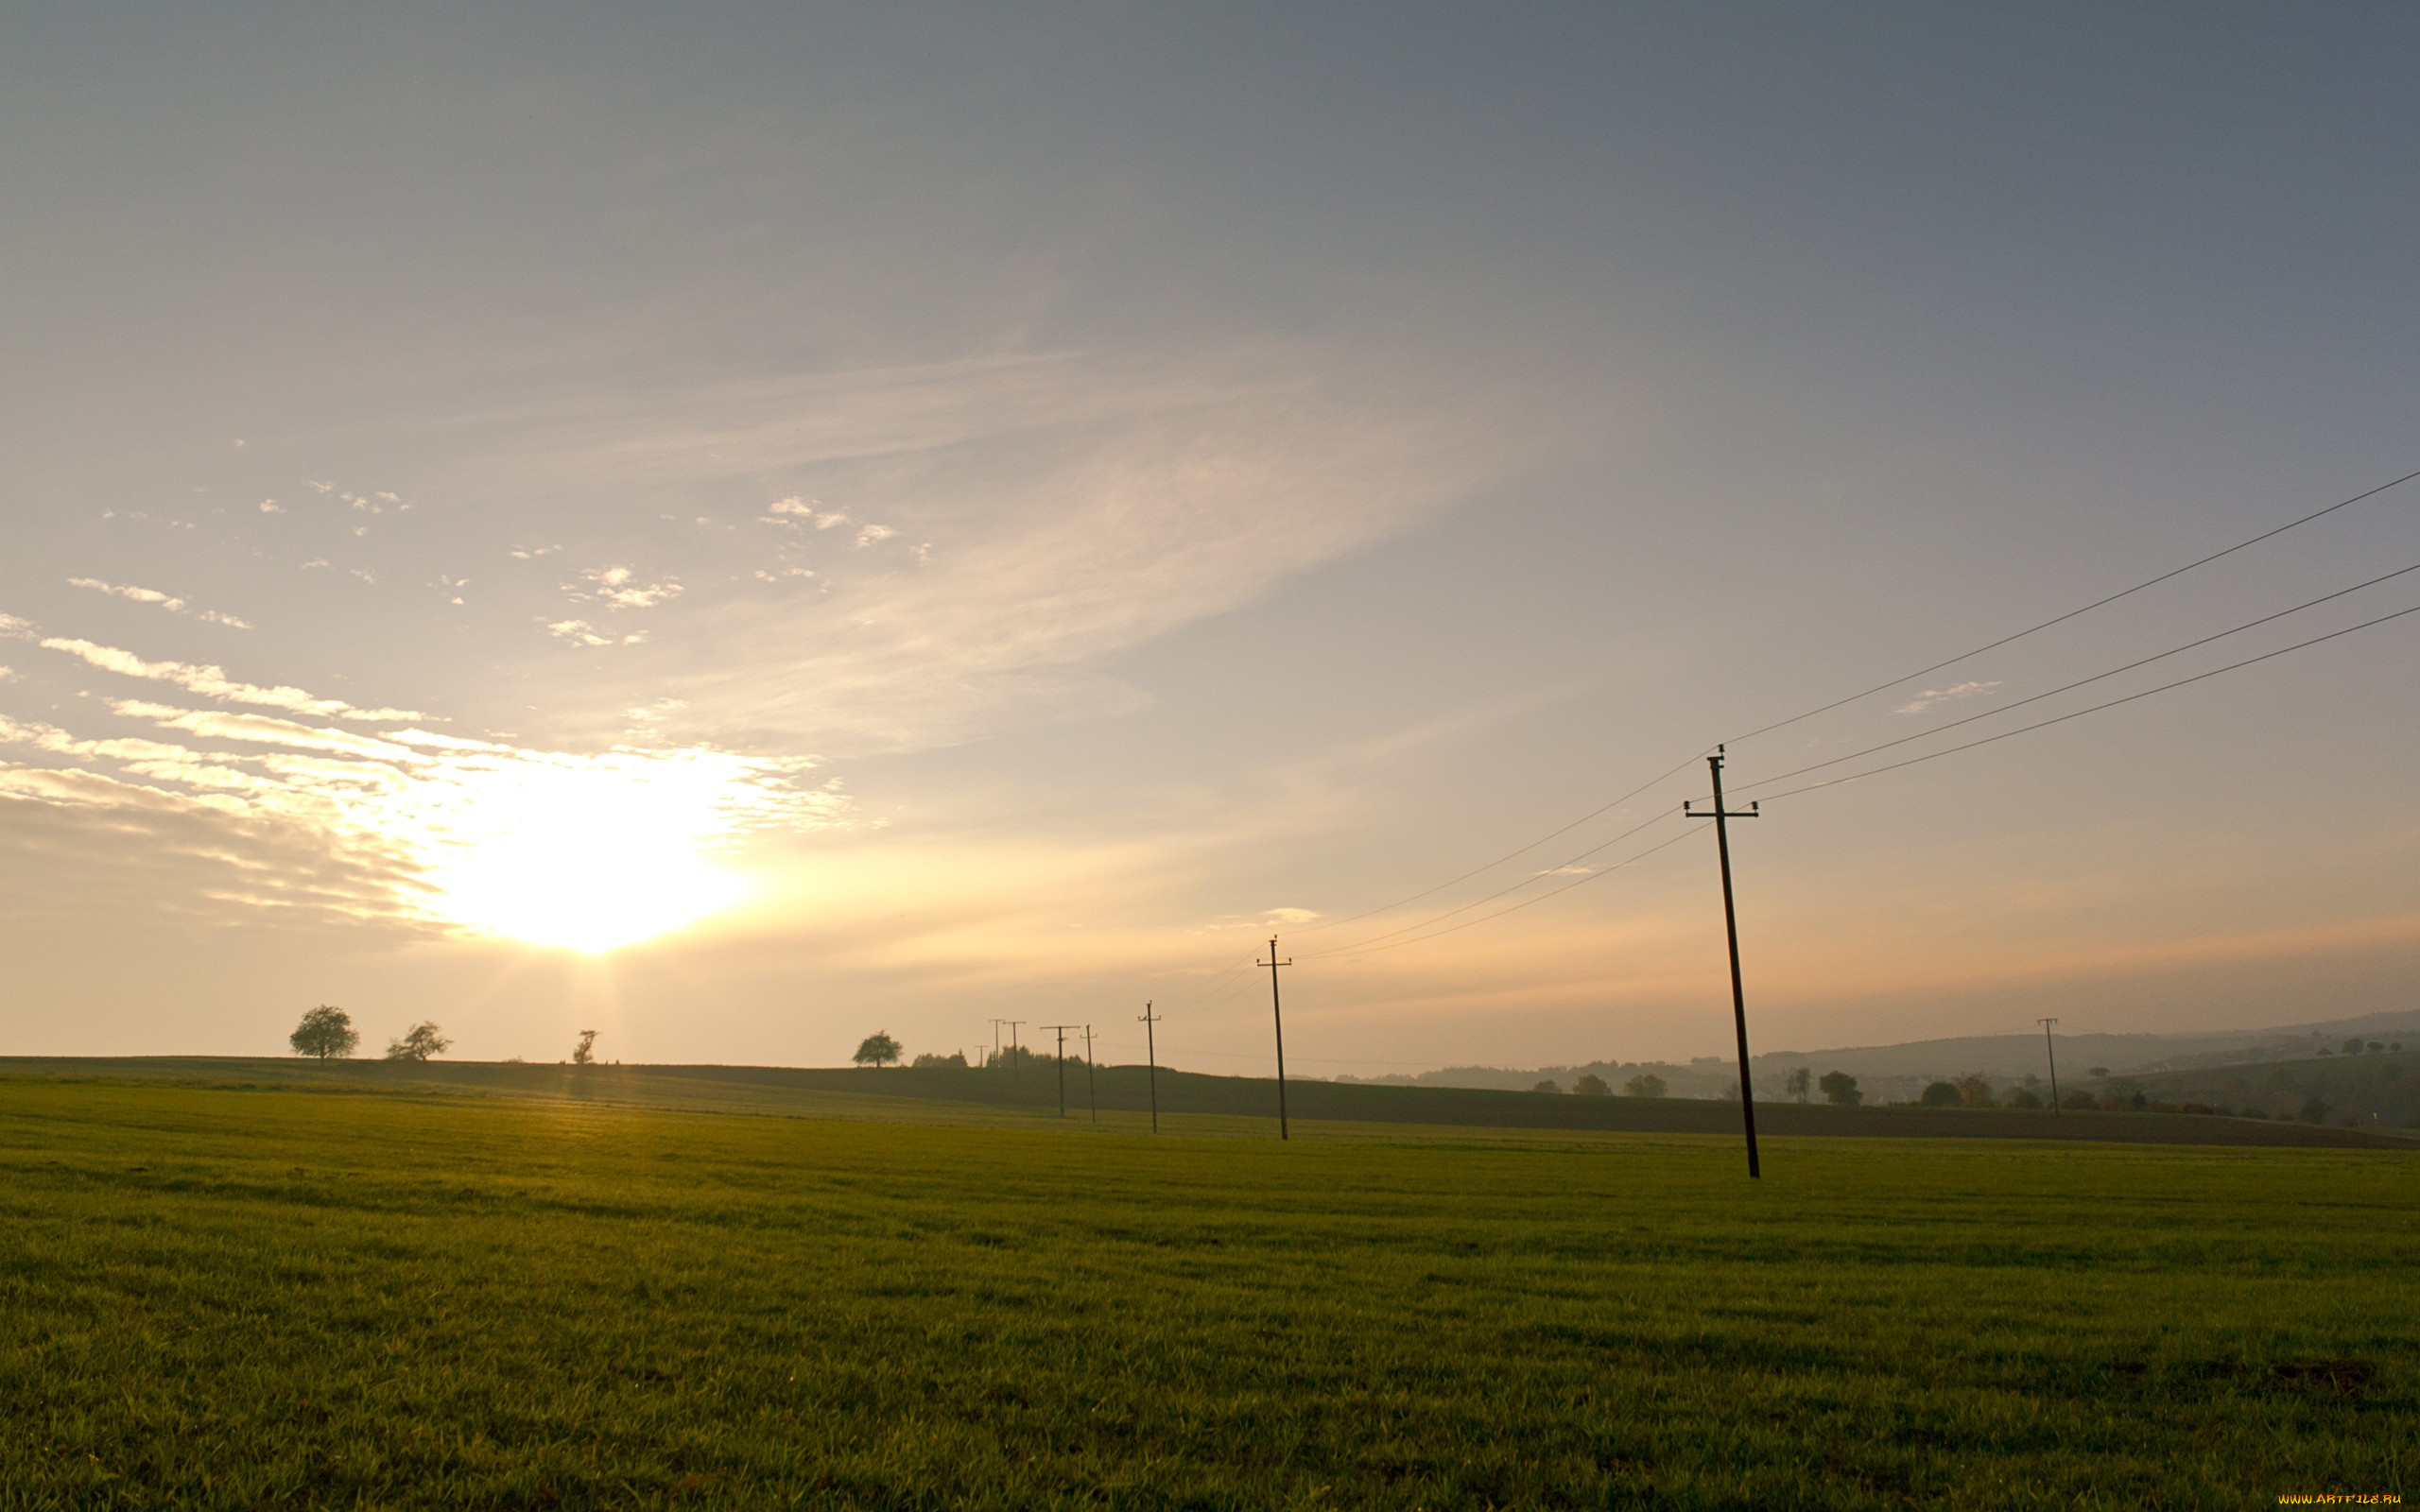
1291	916
1935	696
213	682
874	533
618	588
580	632
140	595
152	595
15	629
272	507
258	729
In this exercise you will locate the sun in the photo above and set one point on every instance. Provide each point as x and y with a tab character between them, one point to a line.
584	853
576	889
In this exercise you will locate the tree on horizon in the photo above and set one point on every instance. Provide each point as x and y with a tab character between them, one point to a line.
326	1033
878	1050
422	1041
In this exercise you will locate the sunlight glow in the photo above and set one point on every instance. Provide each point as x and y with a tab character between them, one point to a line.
585	851
588	858
589	853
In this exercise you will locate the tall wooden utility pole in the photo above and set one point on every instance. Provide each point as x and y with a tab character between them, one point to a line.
1063	1029
1092	1083
1278	1017
1721	817
2054	1064
1151	1058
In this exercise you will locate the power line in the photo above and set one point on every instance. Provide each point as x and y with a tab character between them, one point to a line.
1524	902
1216	980
1346	949
2097	677
2062	619
1685	763
2095	709
1372	945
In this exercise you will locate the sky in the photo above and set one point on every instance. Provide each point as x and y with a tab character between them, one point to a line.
744	525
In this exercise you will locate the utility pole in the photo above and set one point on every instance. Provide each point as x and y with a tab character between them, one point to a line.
1063	1029
2054	1064
1092	1083
1721	817
1278	1017
1151	1058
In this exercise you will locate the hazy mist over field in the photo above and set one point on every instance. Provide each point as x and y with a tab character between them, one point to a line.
747	525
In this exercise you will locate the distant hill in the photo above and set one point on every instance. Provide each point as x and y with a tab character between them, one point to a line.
1188	1102
1899	1072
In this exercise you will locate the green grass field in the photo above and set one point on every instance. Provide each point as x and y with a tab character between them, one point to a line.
224	1298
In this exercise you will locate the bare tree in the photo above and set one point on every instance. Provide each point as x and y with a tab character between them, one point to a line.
1798	1083
326	1033
584	1053
422	1041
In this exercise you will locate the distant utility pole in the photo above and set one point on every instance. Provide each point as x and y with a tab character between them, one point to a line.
996	1039
1063	1029
1092	1083
1151	1058
1721	817
1278	1017
2054	1064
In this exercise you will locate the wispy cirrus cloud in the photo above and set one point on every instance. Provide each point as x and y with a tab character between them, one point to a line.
1064	505
213	682
152	595
1931	697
